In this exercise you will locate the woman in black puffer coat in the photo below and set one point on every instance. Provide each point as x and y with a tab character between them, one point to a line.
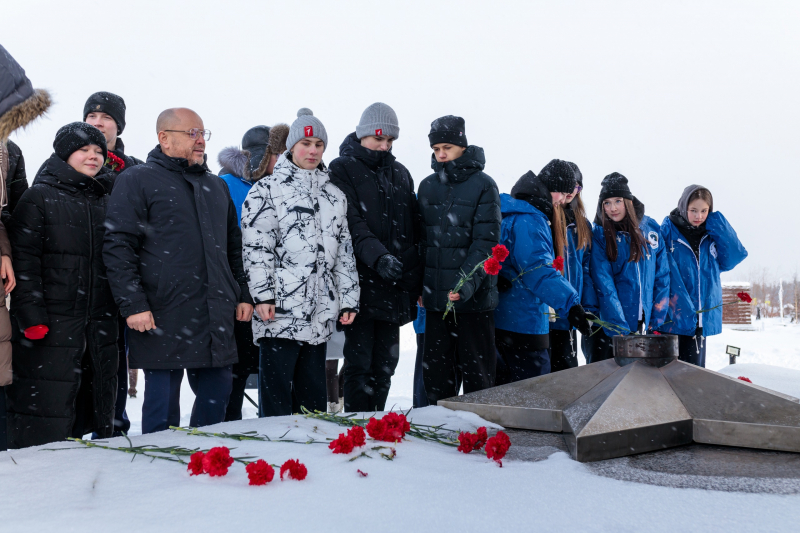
62	312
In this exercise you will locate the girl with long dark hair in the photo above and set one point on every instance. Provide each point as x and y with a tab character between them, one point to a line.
629	267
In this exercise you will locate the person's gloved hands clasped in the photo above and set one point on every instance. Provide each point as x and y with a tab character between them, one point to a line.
579	320
389	268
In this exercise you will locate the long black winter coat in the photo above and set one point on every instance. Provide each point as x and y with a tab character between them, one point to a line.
173	247
383	216
57	241
16	181
460	208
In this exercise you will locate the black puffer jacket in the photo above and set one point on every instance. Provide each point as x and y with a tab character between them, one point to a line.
460	208
173	247
57	241
16	180
383	216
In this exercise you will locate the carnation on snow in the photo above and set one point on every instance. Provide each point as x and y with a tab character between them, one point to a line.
217	461
260	472
294	470
497	447
196	463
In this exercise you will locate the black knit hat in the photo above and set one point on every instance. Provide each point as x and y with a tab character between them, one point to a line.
108	103
76	135
615	185
448	129
578	173
558	176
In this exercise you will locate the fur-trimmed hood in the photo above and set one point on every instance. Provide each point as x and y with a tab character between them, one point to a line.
20	103
234	161
239	162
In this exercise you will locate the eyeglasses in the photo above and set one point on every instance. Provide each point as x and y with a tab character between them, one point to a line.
194	132
580	188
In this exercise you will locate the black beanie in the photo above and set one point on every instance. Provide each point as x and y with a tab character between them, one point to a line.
108	103
615	185
448	129
578	173
77	135
558	176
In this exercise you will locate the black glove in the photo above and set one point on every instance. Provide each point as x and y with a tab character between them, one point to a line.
503	284
389	268
578	319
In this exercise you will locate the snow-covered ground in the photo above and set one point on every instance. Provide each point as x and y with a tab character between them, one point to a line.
428	487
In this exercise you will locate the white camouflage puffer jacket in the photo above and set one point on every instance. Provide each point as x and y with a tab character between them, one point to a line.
298	252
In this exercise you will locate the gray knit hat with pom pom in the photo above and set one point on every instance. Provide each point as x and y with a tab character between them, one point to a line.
306	125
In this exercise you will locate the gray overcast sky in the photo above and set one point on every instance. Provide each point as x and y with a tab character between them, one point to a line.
667	93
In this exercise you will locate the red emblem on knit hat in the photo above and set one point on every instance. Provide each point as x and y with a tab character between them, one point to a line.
309	131
378	132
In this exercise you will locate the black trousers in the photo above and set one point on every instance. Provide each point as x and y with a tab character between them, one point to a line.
372	350
292	375
597	347
248	354
520	356
692	349
563	349
458	350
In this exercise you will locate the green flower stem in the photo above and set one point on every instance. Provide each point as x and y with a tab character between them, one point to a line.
247	435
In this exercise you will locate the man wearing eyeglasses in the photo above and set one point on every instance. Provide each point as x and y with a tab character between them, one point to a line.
174	260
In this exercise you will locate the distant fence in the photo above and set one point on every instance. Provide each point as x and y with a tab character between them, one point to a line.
735	311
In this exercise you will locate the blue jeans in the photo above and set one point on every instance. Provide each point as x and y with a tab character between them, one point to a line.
162	397
420	398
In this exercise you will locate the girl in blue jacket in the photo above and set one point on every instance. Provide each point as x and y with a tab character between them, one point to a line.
629	266
577	254
700	244
528	282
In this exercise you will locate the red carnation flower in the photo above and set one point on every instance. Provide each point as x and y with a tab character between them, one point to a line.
743	296
217	461
744	379
343	444
500	252
376	428
196	464
391	428
357	434
260	472
396	426
296	470
362	474
492	266
115	162
558	263
466	442
482	437
497	447
472	441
